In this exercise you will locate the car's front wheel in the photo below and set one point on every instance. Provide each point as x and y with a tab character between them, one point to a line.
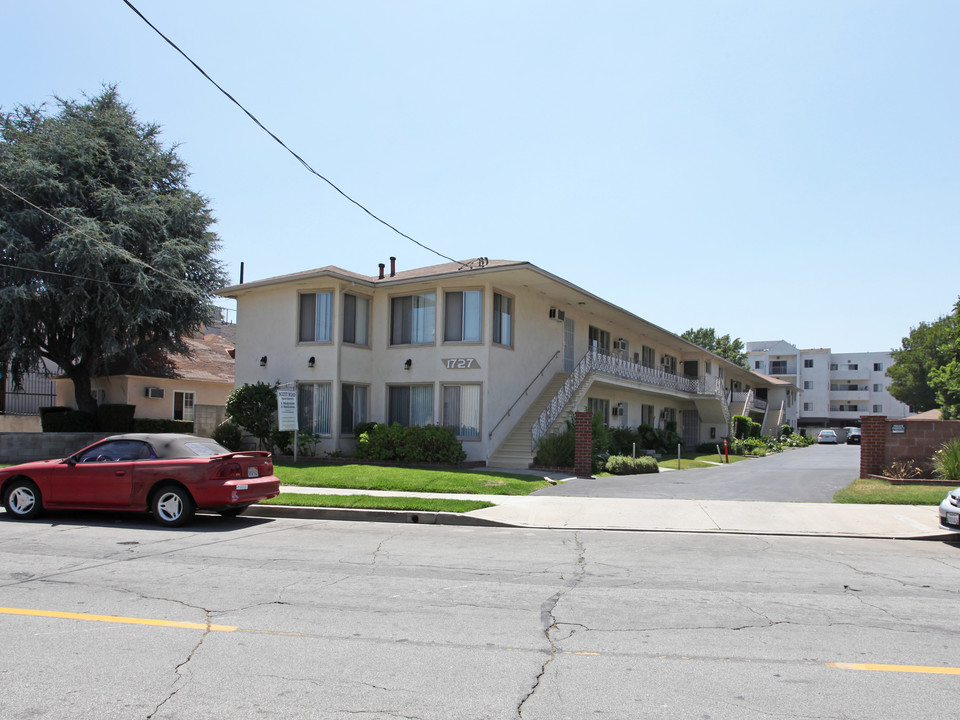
173	506
22	499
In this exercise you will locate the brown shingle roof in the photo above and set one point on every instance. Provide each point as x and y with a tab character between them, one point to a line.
209	360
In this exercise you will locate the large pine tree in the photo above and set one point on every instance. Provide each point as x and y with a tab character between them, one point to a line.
106	254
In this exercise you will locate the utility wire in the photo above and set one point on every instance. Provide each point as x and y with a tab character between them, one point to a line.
281	143
127	255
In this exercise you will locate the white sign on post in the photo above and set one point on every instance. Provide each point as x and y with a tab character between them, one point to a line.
287	410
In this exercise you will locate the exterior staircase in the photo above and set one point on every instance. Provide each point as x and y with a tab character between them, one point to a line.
514	451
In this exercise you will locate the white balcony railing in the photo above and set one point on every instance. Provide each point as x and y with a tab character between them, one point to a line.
616	367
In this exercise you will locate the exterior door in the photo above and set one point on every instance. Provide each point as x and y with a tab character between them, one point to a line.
568	337
690	430
691	368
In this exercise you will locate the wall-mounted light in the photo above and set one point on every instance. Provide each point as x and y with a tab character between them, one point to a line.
312	361
263	361
408	364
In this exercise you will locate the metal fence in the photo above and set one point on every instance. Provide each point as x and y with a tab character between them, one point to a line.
37	390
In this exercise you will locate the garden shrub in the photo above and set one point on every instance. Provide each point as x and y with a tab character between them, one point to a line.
946	460
748	446
228	434
628	465
557	450
63	419
785	430
413	444
902	470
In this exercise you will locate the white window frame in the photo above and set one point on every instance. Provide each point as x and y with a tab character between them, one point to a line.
321	402
188	401
423	414
322	326
470	313
422	319
360	321
360	402
472	408
499	327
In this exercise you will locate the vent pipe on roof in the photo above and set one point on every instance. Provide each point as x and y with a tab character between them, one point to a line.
241	273
393	266
382	266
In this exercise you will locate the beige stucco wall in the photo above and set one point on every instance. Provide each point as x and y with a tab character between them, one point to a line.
268	326
130	389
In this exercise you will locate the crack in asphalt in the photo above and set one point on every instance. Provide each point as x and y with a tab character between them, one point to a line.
180	682
549	621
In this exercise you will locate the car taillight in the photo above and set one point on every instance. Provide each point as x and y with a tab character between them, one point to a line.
229	471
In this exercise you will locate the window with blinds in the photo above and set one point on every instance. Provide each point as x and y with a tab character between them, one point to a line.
313	407
461	410
316	317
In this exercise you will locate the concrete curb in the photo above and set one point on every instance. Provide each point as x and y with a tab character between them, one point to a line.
361	515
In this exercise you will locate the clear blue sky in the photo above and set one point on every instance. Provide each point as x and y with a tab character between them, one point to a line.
775	170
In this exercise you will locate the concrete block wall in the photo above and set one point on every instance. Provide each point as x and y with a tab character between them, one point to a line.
206	418
22	447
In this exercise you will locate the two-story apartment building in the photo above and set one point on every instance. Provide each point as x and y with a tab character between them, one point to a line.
836	388
502	351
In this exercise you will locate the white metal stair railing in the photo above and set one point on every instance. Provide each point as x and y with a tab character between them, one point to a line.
747	402
616	366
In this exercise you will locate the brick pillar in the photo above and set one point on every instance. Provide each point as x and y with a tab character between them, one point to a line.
583	460
873	444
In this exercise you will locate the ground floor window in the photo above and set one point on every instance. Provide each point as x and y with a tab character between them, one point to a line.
597	405
647	415
183	405
410	404
313	407
353	407
461	410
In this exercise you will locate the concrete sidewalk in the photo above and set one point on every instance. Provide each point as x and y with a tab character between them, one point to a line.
701	516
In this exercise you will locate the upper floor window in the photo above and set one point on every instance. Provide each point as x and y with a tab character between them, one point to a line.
316	317
413	319
599	340
648	356
503	319
778	367
668	363
877	367
707	367
808	385
808	363
758	364
356	319
462	311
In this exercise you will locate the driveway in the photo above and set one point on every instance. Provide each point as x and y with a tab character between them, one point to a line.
810	474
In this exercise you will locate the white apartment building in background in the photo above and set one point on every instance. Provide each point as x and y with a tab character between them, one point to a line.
835	388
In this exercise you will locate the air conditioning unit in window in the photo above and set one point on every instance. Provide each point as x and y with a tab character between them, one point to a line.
557	314
153	392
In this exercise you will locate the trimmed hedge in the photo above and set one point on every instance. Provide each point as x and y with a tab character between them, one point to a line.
628	465
115	418
153	425
64	419
410	444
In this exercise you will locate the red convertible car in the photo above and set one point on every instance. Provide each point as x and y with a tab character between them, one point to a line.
170	475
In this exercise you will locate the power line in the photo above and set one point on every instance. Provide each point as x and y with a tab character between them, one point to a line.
279	141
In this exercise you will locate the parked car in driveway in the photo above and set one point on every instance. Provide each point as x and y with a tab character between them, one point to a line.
950	511
853	435
169	475
827	436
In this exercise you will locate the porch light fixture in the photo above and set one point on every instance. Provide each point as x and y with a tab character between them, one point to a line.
263	361
312	361
408	364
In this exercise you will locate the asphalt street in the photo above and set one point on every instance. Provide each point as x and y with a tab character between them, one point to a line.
812	474
116	618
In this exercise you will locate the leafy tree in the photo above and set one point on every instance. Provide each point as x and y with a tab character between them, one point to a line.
253	407
722	345
926	369
107	260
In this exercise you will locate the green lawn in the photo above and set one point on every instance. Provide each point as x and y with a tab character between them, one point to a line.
869	491
696	460
371	502
405	479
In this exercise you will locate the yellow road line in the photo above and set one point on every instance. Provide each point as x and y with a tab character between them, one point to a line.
117	619
897	668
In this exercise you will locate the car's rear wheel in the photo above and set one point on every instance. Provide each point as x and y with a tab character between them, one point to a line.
173	506
232	512
22	499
